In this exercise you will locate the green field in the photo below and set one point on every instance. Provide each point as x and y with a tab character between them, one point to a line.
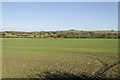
32	57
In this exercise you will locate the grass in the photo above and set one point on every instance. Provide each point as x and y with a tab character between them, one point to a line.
23	58
62	45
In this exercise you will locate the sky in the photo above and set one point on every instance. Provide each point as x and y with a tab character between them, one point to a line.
55	16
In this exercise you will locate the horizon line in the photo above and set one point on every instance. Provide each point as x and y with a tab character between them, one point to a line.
54	30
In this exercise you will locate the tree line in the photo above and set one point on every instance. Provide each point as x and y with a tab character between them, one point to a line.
61	34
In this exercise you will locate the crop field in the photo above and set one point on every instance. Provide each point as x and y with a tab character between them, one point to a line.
59	58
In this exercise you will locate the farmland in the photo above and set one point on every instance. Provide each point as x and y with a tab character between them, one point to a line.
39	57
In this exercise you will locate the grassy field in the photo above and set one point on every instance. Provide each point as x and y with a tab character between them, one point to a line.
25	58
